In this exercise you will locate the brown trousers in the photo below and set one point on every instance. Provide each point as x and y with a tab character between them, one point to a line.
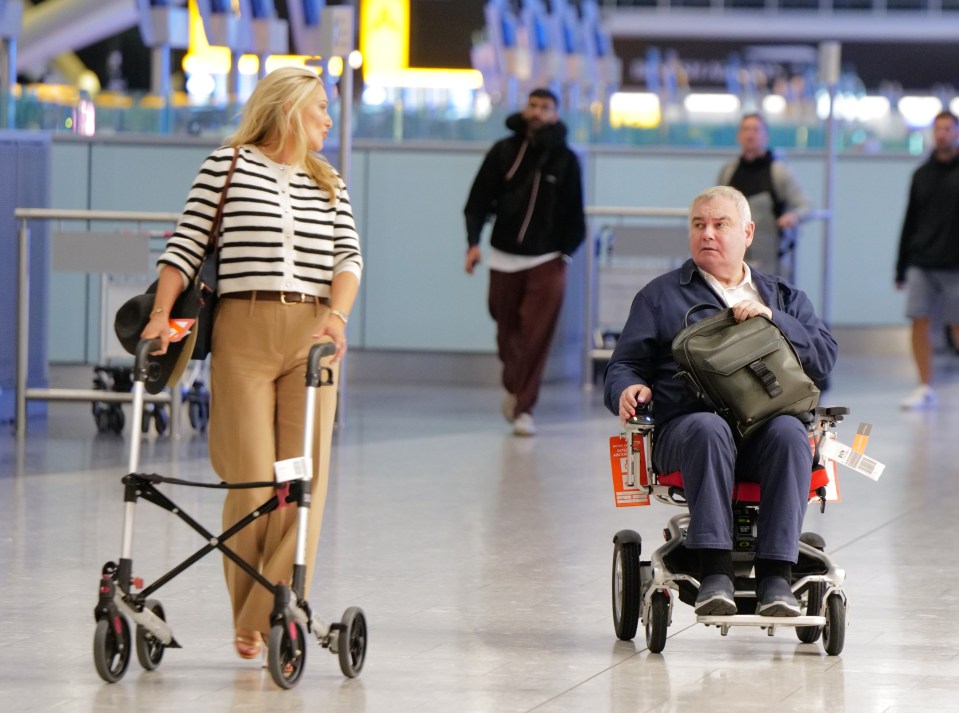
257	411
526	306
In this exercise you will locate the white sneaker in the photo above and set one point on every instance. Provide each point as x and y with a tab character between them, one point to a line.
509	407
523	425
922	397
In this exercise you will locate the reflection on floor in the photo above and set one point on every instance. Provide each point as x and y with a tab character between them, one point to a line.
482	562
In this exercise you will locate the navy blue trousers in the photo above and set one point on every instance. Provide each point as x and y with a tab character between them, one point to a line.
777	456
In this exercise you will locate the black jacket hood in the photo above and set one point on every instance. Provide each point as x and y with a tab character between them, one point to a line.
550	136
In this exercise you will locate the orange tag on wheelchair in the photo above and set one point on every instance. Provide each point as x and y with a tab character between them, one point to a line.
629	494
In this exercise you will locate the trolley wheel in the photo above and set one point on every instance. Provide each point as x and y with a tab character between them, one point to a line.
101	415
115	418
814	594
160	419
199	415
657	621
351	646
627	589
149	648
834	633
287	653
111	648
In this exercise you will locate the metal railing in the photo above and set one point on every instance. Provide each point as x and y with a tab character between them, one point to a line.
23	393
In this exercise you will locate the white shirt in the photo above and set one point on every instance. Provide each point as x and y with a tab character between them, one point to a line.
745	290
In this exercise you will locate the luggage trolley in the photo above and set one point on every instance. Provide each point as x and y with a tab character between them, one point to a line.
121	596
643	590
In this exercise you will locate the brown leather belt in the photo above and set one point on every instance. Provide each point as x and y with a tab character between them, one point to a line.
287	298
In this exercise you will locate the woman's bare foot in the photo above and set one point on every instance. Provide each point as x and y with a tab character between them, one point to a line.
248	643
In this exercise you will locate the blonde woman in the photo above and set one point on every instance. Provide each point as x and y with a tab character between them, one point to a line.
289	272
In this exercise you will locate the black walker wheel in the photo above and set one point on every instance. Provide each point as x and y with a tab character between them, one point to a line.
111	648
149	648
834	633
287	653
351	646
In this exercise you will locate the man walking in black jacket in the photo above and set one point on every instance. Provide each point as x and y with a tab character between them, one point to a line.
928	261
531	182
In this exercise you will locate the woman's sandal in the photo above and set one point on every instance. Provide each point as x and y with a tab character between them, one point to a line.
248	643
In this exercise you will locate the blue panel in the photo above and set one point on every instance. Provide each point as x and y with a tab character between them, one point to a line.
263	9
312	10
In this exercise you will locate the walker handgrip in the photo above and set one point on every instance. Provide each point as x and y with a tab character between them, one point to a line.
144	349
313	371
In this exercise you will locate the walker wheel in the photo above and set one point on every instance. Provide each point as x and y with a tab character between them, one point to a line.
657	621
149	648
111	648
351	646
834	633
627	589
286	656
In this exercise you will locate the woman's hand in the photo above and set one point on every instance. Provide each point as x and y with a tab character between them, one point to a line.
158	328
335	329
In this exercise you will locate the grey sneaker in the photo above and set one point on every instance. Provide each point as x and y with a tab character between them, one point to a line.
716	596
523	425
775	598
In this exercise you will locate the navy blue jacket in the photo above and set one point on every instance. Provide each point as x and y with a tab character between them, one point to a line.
643	353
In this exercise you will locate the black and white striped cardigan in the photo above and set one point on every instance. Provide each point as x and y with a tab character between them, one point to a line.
280	230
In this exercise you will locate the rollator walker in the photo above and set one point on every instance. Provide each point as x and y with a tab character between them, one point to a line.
645	590
123	596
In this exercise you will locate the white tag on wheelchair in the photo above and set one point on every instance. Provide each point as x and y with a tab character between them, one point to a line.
293	469
847	456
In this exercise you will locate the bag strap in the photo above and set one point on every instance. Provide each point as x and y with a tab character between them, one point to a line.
214	234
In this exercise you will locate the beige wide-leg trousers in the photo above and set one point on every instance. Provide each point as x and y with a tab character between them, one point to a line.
258	402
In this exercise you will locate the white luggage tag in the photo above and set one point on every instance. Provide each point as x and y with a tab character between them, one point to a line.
853	456
300	468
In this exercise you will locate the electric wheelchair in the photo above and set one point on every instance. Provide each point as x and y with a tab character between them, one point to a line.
645	590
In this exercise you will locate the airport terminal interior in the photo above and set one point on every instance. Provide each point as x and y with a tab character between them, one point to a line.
482	562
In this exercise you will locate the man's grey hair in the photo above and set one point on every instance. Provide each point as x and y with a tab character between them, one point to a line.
727	192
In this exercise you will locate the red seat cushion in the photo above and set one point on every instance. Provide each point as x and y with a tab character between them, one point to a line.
746	492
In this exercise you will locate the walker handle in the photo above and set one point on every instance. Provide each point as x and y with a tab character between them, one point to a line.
314	374
142	358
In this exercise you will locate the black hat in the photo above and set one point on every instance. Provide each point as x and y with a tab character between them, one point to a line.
131	319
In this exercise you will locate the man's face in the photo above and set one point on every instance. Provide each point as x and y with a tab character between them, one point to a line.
717	237
538	112
752	136
945	133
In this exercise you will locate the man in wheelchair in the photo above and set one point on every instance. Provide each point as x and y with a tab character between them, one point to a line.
699	443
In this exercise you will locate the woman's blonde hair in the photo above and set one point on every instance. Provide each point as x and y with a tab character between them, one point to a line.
273	117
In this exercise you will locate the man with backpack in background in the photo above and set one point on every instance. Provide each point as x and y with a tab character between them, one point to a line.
776	200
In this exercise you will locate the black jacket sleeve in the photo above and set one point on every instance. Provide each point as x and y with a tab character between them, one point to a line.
573	222
481	202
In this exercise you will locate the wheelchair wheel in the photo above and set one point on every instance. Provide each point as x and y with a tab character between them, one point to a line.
834	633
111	648
160	419
287	653
149	648
657	620
627	589
351	646
814	593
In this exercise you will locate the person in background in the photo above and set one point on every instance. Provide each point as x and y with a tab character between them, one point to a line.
699	443
531	182
928	259
289	271
776	200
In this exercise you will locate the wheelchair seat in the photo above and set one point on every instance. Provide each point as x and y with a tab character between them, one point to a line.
746	492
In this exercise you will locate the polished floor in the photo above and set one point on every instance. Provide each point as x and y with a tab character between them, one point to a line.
482	562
